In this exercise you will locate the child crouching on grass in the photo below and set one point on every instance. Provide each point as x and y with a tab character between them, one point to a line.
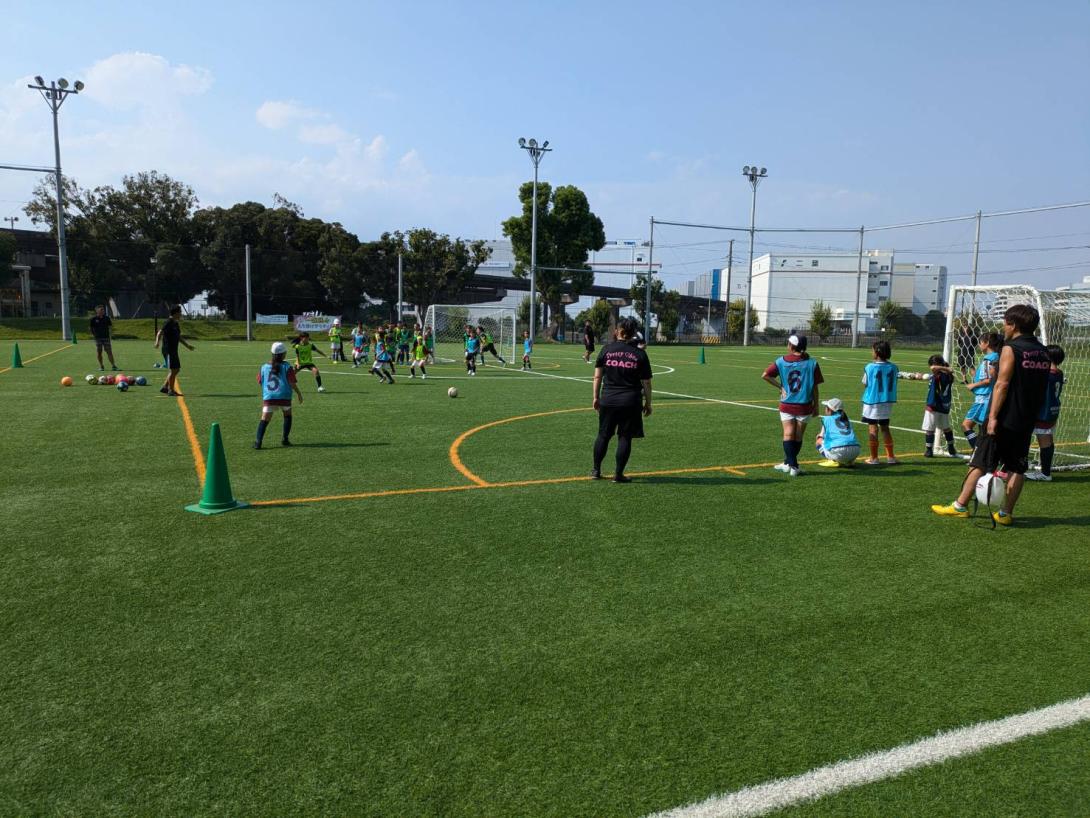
277	379
879	395
836	441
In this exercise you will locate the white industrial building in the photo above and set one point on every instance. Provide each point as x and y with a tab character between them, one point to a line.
786	286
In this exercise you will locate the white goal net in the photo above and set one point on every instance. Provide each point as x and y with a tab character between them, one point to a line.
1065	320
448	322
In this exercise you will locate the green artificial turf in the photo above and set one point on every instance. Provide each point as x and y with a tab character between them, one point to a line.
561	649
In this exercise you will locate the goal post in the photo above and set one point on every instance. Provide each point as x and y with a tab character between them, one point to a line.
1065	320
447	323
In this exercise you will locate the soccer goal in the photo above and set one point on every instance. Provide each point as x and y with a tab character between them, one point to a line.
447	323
1065	320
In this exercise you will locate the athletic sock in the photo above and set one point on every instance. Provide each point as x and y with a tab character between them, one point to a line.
797	452
930	441
874	448
423	371
949	434
1046	459
970	436
318	379
287	426
788	448
261	427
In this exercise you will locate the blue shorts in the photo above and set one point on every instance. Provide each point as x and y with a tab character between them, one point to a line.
978	412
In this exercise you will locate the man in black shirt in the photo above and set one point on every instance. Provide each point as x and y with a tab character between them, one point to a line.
588	341
622	376
1017	397
170	336
100	331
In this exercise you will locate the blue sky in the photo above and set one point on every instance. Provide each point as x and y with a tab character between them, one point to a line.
396	115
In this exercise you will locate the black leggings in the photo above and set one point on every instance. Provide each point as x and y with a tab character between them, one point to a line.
624	451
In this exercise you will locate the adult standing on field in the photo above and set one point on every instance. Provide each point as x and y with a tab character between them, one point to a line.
170	337
100	331
622	398
588	341
1017	397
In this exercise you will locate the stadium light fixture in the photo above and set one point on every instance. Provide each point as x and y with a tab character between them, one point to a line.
754	175
54	95
536	153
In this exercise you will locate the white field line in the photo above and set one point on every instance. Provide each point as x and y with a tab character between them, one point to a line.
878	766
709	400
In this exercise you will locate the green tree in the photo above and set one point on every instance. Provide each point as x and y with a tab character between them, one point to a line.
935	323
665	305
567	230
437	267
7	249
600	315
821	320
736	313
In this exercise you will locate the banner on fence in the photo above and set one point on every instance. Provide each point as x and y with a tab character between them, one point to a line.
313	322
273	319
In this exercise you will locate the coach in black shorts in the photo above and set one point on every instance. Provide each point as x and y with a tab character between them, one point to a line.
622	398
1017	397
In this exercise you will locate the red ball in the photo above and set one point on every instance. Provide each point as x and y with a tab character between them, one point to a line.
111	379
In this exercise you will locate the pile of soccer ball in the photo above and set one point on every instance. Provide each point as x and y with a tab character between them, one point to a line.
914	376
121	381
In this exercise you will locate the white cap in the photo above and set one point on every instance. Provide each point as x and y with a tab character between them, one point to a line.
336	322
279	349
836	404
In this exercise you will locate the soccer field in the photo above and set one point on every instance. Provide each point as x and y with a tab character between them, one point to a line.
429	610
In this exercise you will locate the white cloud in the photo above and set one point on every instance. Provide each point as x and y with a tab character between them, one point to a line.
327	134
135	79
278	114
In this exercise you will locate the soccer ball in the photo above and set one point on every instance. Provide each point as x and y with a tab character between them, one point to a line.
157	365
452	392
66	381
141	380
122	386
990	490
91	379
103	380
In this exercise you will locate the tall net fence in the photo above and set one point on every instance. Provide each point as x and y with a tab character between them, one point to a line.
1065	321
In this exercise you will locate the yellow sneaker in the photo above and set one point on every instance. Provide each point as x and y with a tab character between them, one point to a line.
1002	519
829	464
950	511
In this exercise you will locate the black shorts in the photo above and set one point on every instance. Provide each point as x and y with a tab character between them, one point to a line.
626	421
490	348
589	347
172	359
1009	449
300	367
874	422
102	343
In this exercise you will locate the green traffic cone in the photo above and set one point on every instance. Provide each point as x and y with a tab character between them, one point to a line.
16	359
700	358
74	341
216	497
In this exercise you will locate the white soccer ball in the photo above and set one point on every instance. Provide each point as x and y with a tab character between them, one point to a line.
990	490
452	392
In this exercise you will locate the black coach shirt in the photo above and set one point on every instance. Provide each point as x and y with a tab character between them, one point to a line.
172	334
625	368
100	327
1029	382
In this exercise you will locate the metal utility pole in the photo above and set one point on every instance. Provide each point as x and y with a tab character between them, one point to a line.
858	286
249	299
536	153
55	94
647	296
400	288
11	220
755	175
976	245
730	269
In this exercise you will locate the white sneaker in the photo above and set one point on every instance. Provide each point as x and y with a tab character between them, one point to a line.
412	374
1040	477
321	389
782	467
794	472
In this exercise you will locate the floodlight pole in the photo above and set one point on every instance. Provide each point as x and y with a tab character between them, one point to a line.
11	220
858	286
754	175
976	245
249	299
647	295
730	266
400	288
55	94
536	153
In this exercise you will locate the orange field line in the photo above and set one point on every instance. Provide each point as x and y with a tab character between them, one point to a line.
456	460
39	357
191	433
